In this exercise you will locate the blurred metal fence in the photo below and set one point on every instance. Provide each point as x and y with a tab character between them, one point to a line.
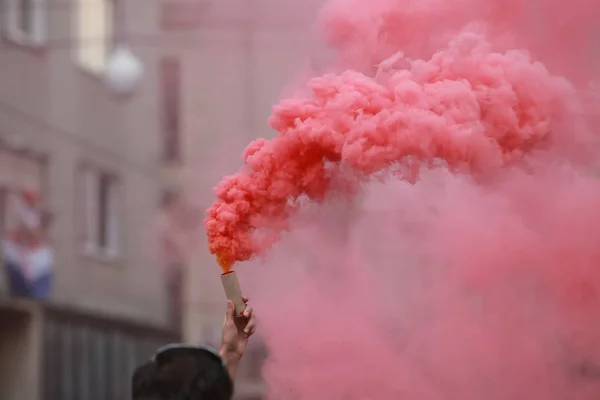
90	357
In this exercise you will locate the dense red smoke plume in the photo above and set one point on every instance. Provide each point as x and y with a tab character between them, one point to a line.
432	203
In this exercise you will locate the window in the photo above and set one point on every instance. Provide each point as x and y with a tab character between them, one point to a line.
95	35
3	210
101	212
26	21
170	75
20	170
24	15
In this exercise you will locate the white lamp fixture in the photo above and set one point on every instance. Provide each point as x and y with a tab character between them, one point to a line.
124	71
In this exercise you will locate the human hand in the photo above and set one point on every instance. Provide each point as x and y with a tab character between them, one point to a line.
236	332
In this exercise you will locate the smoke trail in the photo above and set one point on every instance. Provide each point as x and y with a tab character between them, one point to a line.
467	106
477	279
473	293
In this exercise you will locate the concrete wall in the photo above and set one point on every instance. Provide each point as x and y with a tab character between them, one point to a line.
237	58
50	105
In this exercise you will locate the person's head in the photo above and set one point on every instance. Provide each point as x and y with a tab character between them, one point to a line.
178	372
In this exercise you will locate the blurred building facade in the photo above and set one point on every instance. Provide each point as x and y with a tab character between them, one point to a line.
225	64
93	160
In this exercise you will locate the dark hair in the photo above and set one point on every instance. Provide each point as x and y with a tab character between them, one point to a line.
182	374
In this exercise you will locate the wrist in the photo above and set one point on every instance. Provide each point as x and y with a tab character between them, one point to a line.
231	359
229	355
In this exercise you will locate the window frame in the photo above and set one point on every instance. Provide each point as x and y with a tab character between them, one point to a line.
171	98
84	43
12	31
18	160
5	194
87	221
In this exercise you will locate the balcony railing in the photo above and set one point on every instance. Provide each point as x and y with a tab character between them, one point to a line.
57	353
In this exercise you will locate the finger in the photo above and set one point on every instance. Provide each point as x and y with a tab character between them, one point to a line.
230	311
250	326
248	312
245	299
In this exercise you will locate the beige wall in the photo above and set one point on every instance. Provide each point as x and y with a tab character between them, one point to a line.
48	104
245	54
18	170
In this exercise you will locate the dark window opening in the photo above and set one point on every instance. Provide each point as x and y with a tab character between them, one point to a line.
25	16
105	182
170	74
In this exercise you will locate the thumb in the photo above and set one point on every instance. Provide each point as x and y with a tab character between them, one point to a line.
229	313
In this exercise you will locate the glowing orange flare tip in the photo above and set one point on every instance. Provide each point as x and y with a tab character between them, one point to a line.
224	262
